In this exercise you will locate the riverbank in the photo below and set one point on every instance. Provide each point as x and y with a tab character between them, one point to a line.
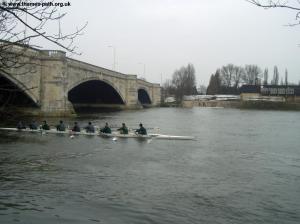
239	104
236	104
268	105
211	103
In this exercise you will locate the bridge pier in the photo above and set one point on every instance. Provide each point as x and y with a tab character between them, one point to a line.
53	82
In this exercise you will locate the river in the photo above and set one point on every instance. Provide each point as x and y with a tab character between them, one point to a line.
243	167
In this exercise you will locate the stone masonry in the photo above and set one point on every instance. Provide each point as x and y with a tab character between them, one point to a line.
55	75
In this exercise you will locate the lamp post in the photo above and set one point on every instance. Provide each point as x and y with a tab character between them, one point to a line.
114	57
144	74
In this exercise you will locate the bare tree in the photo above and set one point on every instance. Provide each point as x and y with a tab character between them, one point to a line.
168	88
184	81
227	75
286	77
202	89
281	81
266	76
237	76
23	23
22	26
287	4
231	75
252	74
275	80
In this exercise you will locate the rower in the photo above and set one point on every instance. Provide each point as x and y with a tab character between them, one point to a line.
61	126
33	125
45	126
76	127
106	129
90	128
123	129
141	130
20	125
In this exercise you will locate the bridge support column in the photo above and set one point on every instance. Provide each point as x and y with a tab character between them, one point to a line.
132	93
53	94
156	94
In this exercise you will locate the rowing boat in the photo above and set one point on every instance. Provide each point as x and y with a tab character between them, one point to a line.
113	135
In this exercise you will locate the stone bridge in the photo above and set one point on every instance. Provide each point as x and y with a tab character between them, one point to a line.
58	85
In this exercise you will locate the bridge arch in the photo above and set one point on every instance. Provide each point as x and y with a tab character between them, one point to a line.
94	91
144	96
25	93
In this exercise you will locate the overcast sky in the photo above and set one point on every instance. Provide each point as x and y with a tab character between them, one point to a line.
167	34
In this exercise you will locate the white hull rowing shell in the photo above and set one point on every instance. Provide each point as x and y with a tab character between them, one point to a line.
118	135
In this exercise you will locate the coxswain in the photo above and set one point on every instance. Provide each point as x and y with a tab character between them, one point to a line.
20	125
106	129
123	129
45	126
90	128
33	125
76	127
141	130
60	126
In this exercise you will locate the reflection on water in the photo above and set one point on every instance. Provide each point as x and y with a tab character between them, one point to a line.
242	168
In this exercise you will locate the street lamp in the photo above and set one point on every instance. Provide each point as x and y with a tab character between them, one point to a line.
114	57
144	74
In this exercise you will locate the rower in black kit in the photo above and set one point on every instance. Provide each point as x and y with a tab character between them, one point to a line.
76	127
61	126
90	128
141	130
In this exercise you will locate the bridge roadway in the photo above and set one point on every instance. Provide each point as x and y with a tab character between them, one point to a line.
56	85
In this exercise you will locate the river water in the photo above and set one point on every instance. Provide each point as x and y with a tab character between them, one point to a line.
243	167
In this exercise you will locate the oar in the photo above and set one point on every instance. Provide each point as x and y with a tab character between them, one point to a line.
129	128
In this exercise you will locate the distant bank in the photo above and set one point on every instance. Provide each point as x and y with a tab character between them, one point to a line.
267	97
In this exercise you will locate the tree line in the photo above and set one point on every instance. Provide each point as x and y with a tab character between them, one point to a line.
229	78
226	80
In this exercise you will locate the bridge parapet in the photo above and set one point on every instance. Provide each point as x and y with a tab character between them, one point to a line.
87	67
146	83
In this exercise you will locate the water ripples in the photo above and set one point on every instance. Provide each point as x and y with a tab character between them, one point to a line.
238	171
